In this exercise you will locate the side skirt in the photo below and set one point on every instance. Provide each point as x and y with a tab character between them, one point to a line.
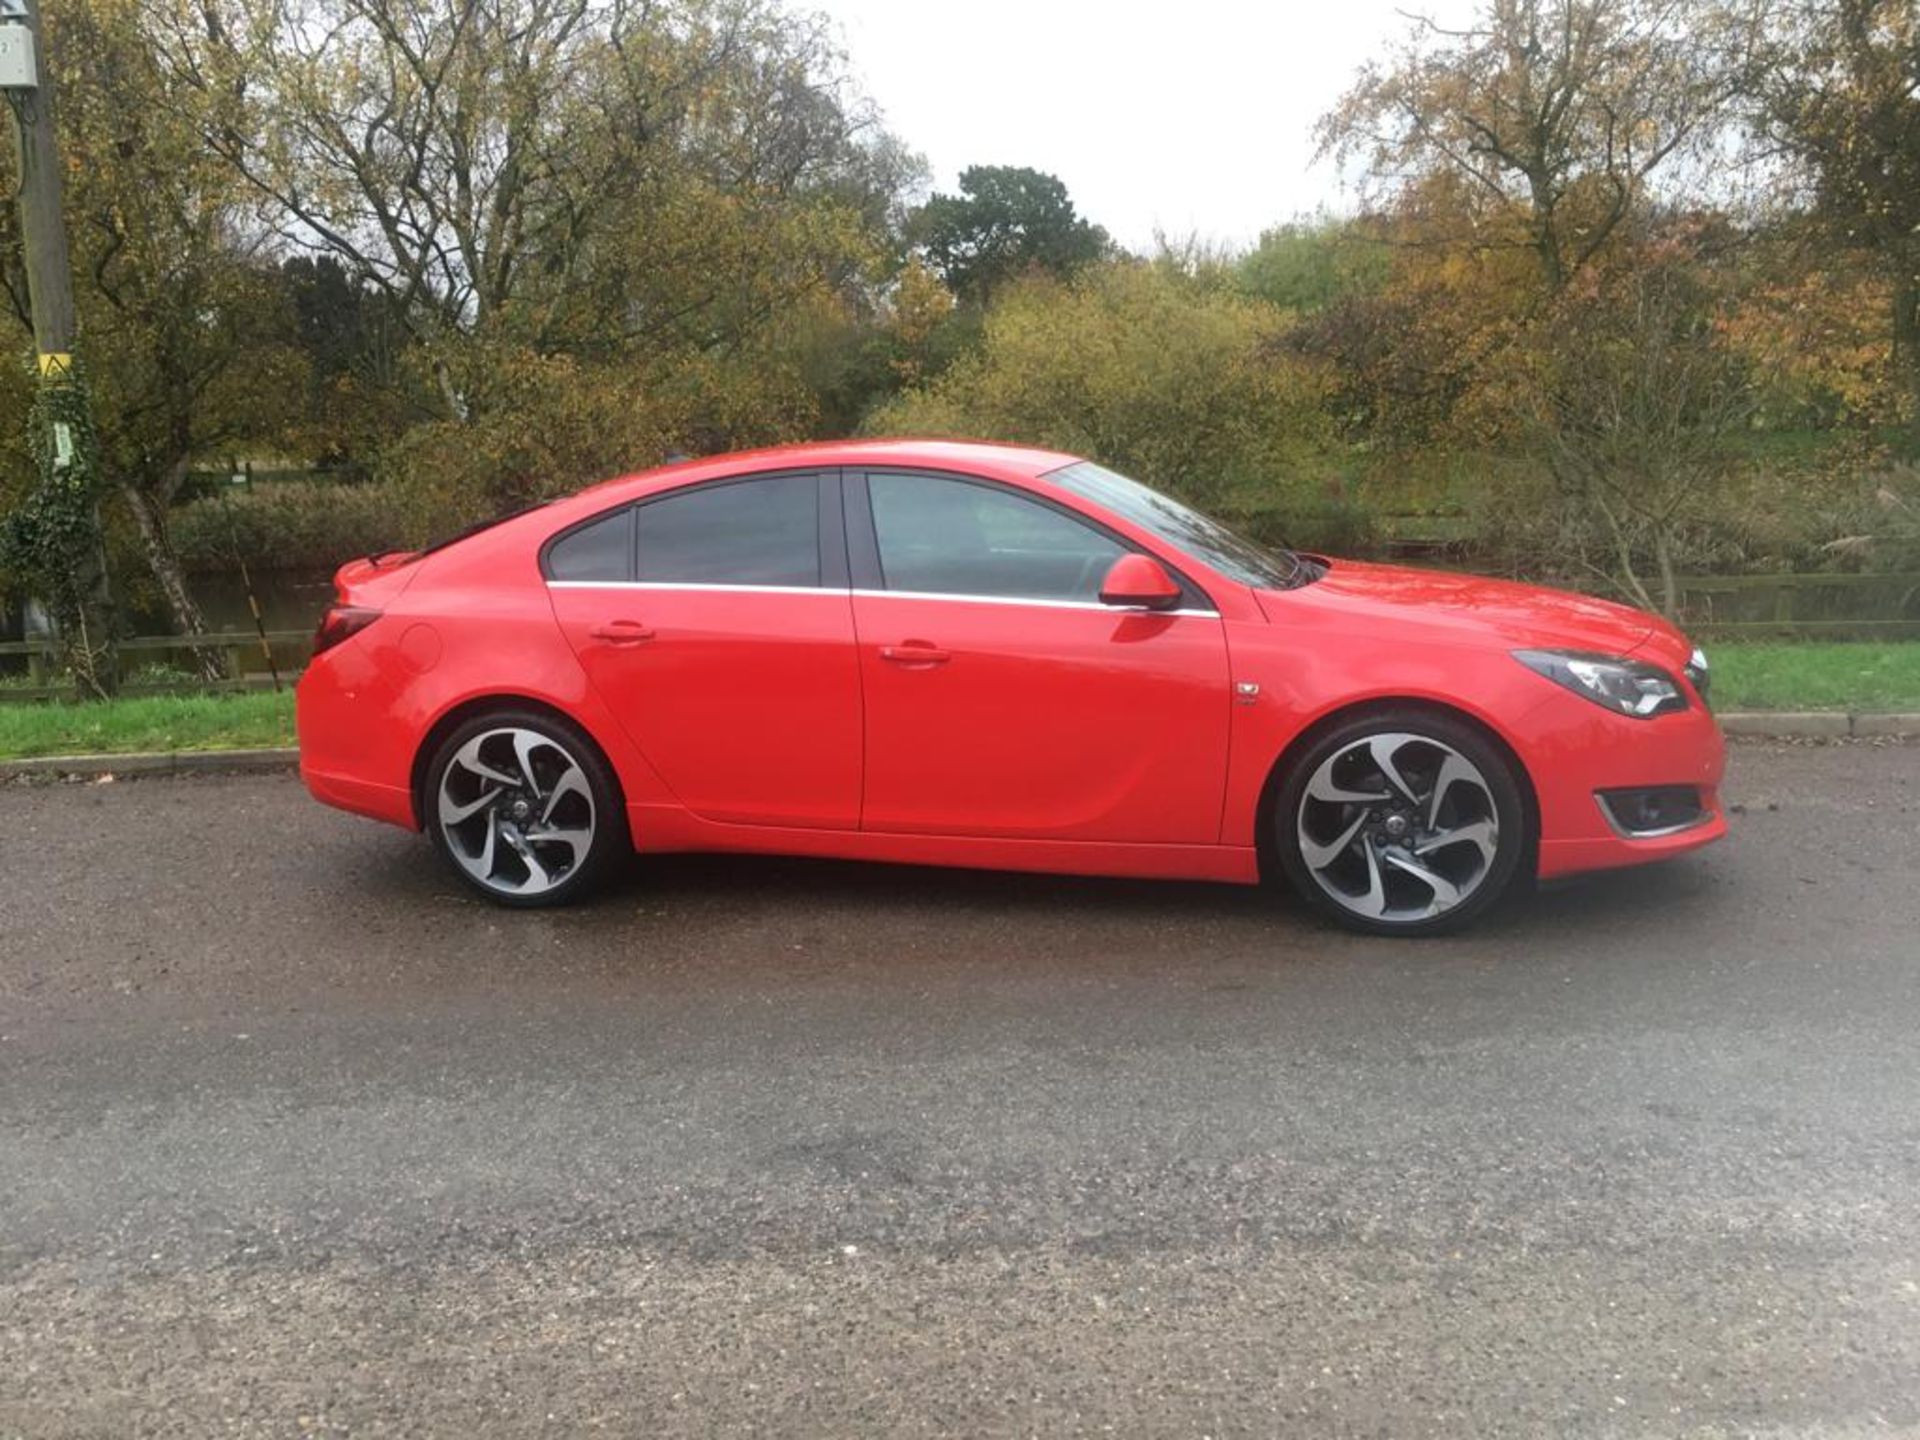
661	829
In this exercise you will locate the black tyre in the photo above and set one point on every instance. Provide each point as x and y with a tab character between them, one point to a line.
525	808
1402	822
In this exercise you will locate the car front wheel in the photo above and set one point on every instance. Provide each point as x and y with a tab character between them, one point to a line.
524	807
1401	823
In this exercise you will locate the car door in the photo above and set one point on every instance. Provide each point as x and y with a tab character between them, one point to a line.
715	621
1002	698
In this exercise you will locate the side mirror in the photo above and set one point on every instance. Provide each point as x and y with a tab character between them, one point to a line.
1139	582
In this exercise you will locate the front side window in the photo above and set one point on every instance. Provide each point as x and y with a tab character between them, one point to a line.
951	537
747	532
1184	528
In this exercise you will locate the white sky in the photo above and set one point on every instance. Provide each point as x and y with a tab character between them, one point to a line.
1194	117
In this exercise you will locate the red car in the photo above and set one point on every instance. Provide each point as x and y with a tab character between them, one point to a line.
981	655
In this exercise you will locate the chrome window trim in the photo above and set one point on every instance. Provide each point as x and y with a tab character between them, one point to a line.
1021	600
874	595
695	585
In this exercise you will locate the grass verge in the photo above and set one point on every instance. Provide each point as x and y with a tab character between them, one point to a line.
1834	676
249	720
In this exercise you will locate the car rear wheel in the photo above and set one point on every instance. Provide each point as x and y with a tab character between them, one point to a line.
525	808
1402	823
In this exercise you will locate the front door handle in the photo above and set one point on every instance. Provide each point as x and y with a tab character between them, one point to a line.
914	652
622	632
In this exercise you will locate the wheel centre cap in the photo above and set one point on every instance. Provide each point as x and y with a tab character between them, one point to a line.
520	810
1395	826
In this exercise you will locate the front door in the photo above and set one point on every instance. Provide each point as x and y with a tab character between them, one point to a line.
1002	698
715	622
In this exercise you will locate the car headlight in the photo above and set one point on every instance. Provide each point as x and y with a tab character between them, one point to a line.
1627	687
1699	672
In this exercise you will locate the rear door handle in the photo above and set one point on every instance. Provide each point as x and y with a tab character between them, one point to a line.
915	652
622	632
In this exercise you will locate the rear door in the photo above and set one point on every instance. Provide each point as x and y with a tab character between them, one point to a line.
715	621
1002	698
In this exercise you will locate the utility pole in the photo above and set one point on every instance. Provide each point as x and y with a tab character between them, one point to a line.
59	530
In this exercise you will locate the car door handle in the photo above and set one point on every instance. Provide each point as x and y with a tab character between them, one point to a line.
914	652
622	632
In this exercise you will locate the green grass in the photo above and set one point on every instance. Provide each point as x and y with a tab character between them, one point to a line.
1829	675
1786	676
250	720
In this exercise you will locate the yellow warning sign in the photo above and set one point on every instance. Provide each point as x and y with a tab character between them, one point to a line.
55	366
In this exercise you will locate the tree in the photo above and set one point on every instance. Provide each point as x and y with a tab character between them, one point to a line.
1638	409
184	333
1557	112
354	351
1420	352
1813	317
1838	92
1006	221
1306	266
579	177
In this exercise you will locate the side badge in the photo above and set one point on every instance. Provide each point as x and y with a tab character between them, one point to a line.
1246	691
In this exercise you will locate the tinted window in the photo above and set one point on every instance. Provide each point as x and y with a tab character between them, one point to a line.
1184	529
949	537
753	532
602	550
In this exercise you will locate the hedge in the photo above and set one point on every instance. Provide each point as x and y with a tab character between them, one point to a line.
294	525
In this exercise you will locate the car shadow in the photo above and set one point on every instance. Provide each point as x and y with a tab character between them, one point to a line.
865	882
1599	897
736	889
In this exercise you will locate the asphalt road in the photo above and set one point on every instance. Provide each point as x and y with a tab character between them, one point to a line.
295	1138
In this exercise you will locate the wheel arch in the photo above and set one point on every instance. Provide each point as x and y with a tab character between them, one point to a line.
1276	773
457	715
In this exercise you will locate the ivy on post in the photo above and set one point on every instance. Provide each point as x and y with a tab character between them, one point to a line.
52	539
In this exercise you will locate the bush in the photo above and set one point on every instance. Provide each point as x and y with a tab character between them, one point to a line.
554	424
1882	530
1325	525
293	525
1179	384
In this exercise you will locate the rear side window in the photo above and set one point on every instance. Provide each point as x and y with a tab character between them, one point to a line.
747	532
601	550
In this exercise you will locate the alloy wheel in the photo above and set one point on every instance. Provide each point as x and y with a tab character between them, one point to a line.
1398	828
516	811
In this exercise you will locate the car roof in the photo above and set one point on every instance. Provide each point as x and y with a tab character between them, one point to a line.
985	457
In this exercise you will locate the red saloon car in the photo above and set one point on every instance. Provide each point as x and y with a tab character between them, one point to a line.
969	654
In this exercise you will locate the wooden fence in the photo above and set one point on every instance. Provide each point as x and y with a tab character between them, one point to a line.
1725	607
1864	606
245	663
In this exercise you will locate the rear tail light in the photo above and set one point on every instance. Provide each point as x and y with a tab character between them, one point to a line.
340	622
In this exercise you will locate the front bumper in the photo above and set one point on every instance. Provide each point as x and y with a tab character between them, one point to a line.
1580	750
1612	852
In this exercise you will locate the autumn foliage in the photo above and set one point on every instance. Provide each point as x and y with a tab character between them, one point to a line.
1628	287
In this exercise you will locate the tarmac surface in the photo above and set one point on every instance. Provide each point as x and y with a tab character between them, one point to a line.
297	1138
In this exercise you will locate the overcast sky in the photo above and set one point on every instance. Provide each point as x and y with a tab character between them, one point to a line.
1193	116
